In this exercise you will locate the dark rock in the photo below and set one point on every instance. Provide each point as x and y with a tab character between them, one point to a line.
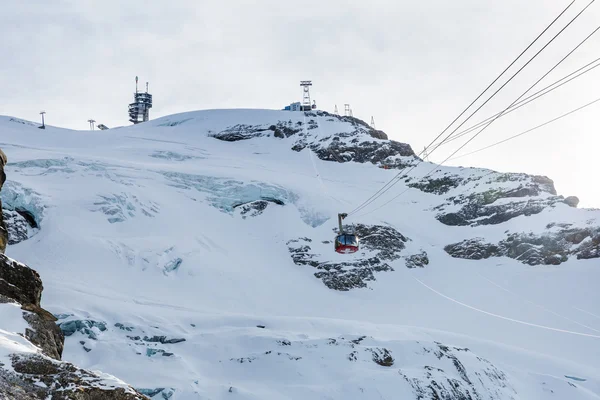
480	208
384	242
19	282
551	248
475	213
163	340
241	132
378	134
417	260
572	201
378	153
3	230
44	332
439	185
437	384
16	226
359	148
252	209
472	249
123	327
382	357
545	183
61	381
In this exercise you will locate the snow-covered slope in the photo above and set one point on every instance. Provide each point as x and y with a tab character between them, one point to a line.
192	257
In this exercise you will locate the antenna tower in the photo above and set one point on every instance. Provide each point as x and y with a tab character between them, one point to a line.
335	110
373	122
139	110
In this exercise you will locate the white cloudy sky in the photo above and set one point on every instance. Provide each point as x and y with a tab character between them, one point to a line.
412	65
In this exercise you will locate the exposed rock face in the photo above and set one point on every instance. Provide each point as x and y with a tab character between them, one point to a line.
492	207
379	246
20	282
551	248
3	231
357	145
63	381
256	208
456	381
18	224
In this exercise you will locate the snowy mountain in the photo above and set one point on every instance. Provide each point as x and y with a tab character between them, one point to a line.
192	257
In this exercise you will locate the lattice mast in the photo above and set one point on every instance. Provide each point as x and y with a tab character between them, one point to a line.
306	104
139	110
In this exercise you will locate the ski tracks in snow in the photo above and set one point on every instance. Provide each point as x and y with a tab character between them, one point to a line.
538	305
503	317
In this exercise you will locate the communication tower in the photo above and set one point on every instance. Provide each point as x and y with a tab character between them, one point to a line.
139	110
335	110
373	122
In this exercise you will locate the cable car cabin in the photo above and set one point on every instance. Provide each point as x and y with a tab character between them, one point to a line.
346	243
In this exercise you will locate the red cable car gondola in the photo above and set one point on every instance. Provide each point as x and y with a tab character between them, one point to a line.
345	243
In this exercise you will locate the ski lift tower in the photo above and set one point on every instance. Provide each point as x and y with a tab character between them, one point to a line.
139	110
306	105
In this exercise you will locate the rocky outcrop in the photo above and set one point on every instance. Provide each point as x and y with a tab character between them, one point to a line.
42	375
379	247
37	377
456	380
19	225
551	248
256	208
3	230
492	206
362	144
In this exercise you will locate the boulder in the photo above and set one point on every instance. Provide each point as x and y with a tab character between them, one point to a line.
572	201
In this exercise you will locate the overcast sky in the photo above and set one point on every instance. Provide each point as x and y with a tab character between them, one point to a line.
414	66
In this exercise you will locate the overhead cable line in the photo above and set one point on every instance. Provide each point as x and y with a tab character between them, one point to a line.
529	99
529	130
499	115
390	184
